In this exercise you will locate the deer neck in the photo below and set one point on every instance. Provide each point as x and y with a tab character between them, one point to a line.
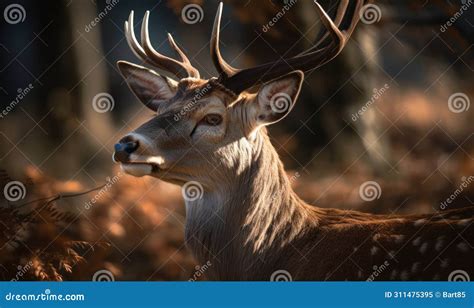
252	213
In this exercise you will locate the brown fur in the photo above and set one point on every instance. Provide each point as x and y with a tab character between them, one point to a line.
260	226
250	224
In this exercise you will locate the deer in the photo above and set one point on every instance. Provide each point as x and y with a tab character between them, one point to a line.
243	218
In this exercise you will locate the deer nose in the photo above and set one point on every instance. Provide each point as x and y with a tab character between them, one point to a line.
124	148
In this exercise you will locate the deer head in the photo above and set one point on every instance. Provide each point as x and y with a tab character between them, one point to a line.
204	129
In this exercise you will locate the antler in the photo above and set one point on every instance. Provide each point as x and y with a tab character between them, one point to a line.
325	49
223	68
182	69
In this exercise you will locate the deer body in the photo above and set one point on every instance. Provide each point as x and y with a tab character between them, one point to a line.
246	220
256	225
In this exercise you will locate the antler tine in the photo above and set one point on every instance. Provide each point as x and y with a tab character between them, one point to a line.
223	68
306	61
148	54
134	44
355	18
132	40
184	59
178	50
341	11
333	30
340	14
161	61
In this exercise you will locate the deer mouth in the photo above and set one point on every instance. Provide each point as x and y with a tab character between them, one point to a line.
140	169
136	165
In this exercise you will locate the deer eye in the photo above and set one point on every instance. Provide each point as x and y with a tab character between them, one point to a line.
213	119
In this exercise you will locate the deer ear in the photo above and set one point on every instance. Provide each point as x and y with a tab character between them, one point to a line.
150	88
276	98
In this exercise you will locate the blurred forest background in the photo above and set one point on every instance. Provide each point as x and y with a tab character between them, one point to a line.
393	108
